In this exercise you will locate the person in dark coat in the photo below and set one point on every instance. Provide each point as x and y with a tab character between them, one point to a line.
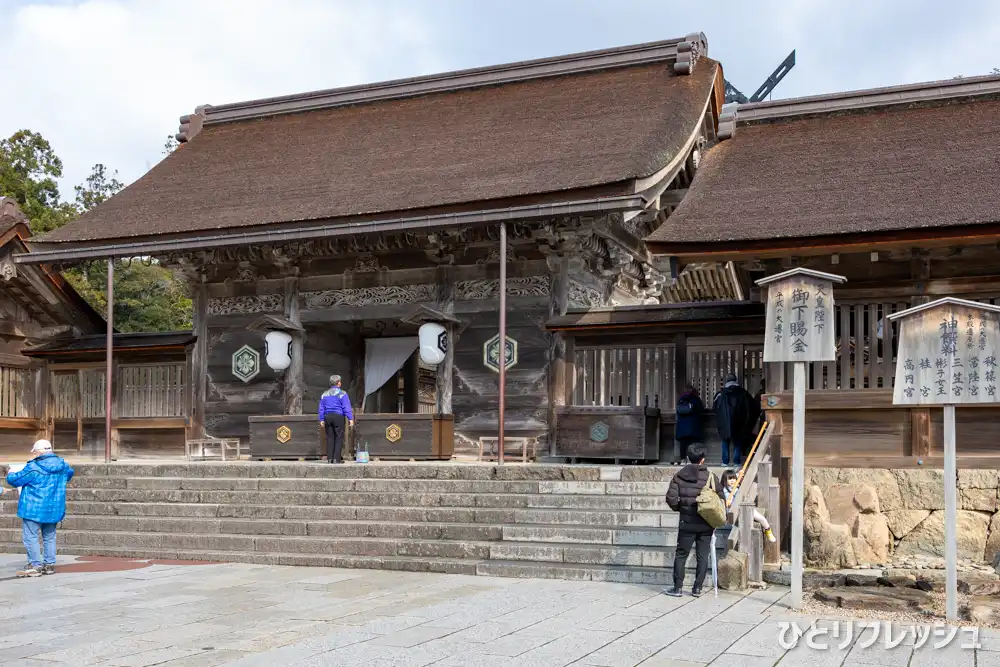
692	530
689	428
733	412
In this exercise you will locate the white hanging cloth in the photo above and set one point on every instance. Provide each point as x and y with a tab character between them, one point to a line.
385	356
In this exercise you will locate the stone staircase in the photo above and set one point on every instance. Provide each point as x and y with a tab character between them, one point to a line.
551	521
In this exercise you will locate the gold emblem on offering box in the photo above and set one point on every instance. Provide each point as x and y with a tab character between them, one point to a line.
284	434
393	433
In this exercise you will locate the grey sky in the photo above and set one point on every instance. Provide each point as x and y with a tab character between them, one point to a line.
106	80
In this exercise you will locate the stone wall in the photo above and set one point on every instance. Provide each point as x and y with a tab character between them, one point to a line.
859	516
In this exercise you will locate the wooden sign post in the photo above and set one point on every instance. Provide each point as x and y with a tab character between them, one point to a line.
799	329
948	356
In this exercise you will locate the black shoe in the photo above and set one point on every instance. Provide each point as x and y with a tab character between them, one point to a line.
696	592
673	592
48	569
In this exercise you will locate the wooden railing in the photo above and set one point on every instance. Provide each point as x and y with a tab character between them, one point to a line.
757	489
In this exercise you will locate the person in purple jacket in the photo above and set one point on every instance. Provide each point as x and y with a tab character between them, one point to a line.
334	413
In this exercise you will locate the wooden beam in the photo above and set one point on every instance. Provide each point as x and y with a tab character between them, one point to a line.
22	423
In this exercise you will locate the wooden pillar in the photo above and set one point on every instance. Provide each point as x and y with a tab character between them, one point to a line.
445	301
199	357
920	273
294	375
920	431
558	305
411	384
79	410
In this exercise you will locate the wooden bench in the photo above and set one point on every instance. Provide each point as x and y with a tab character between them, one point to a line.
196	449
491	444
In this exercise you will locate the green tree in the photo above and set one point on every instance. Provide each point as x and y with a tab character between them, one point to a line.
147	296
170	145
29	168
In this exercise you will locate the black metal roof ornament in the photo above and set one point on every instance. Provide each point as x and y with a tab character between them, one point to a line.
734	95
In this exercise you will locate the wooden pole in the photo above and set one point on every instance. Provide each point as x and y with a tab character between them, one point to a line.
502	362
798	479
950	514
109	344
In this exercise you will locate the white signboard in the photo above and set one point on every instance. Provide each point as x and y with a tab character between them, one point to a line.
948	354
800	316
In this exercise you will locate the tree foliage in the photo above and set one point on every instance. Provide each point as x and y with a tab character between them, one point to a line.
147	296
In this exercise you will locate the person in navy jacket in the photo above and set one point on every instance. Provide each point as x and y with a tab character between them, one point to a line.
334	413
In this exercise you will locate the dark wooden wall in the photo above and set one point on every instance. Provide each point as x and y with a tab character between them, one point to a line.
476	388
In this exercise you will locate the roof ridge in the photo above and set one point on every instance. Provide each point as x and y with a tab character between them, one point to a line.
910	93
683	52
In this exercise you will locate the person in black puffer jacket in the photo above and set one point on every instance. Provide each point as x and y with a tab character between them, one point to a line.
692	531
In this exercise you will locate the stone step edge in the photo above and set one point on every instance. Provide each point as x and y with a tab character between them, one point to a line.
12	507
348	561
630	496
442	524
655	576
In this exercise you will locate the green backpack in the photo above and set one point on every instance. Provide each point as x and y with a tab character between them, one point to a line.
711	507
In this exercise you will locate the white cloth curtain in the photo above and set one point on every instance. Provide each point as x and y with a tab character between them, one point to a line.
385	356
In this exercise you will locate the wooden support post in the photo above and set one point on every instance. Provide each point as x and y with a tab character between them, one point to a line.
79	411
558	305
950	514
109	372
798	479
772	550
294	380
502	365
746	533
920	432
199	356
444	377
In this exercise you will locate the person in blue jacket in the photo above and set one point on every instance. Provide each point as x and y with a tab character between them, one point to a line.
334	413
41	506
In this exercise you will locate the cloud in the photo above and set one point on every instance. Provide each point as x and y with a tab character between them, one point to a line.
106	80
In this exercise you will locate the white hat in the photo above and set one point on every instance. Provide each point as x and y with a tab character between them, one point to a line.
41	446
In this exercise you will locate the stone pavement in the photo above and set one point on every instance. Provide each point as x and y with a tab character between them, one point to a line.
134	613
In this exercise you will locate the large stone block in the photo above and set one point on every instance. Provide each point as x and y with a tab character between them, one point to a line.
921	489
872	540
993	539
982	500
978	479
928	537
883	481
901	522
733	571
826	544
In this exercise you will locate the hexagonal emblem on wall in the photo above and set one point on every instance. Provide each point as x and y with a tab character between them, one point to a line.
246	363
283	434
599	432
491	353
393	433
443	341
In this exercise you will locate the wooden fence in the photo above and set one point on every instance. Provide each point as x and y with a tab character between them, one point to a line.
141	391
636	375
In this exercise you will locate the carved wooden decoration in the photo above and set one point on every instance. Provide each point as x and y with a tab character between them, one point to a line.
368	296
470	290
245	305
584	296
